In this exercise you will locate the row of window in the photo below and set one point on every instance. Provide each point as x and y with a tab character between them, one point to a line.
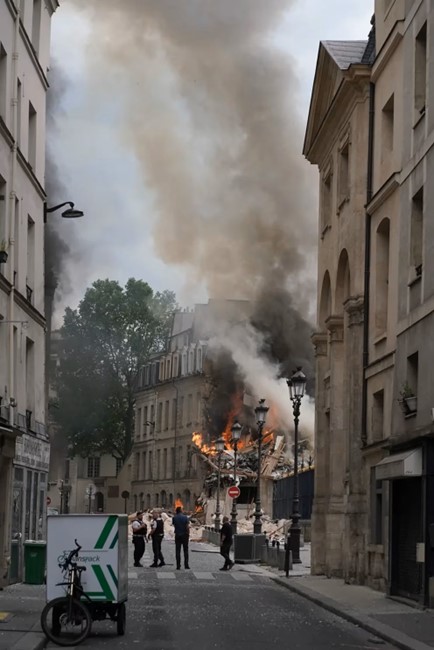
387	134
94	466
24	243
172	366
169	416
165	463
25	111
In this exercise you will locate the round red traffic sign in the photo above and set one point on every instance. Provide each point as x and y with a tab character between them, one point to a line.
48	501
233	492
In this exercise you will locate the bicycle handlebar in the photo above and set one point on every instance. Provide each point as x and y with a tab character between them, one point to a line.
68	562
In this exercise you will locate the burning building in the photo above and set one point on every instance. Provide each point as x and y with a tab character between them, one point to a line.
187	397
177	395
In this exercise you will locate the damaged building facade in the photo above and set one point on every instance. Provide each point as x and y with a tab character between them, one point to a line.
171	404
369	132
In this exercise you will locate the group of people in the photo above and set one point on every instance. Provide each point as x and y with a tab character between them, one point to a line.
181	524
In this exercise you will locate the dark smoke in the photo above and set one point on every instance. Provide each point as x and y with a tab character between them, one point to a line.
56	248
286	335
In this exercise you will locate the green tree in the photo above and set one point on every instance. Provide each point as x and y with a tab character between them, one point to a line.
104	344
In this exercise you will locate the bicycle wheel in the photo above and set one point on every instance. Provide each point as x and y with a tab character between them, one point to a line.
66	621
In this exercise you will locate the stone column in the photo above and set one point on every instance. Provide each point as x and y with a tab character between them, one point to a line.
318	559
337	447
355	489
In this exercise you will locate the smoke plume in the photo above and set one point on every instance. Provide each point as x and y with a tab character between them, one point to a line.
56	248
209	110
207	100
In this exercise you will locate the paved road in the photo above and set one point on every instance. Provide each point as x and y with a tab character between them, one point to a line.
204	608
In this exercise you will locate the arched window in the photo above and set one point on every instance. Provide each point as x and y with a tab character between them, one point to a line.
199	360
187	499
148	501
325	306
157	500
343	282
163	499
99	501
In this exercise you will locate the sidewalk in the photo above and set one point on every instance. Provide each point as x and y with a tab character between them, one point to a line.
399	624
20	609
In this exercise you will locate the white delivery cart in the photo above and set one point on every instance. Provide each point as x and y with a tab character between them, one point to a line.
104	552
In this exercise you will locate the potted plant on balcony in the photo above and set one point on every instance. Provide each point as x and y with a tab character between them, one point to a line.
3	252
408	399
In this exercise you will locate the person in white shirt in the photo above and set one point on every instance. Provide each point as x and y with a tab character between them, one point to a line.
139	529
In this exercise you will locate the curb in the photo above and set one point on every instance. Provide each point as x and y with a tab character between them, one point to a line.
369	624
31	641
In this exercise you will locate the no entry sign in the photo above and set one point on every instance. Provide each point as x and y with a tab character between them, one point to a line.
233	492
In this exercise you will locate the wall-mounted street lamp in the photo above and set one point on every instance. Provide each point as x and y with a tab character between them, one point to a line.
70	213
236	435
261	415
296	385
219	445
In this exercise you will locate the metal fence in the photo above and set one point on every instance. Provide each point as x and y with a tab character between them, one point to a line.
284	491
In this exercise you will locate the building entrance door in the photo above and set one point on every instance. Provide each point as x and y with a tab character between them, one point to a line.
406	573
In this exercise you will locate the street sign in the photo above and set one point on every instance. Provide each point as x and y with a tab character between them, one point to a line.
48	501
233	492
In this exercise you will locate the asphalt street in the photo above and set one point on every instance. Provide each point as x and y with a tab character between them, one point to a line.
205	608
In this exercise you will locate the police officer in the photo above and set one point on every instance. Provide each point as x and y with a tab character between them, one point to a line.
139	529
157	534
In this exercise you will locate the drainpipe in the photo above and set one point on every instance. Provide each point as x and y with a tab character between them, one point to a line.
367	259
12	216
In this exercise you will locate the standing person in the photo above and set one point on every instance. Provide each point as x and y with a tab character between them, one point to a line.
181	524
139	529
157	534
226	543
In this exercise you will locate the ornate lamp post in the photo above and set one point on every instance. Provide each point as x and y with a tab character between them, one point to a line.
296	385
220	445
236	434
261	413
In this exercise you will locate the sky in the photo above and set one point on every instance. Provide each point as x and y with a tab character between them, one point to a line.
98	166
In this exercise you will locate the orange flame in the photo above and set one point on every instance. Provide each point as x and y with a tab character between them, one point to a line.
178	503
197	439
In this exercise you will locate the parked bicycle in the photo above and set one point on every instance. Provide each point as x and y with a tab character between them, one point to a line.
66	620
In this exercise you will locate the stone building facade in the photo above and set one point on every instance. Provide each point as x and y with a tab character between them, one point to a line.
163	466
24	61
373	520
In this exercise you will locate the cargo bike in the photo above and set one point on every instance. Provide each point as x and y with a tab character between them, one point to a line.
88	582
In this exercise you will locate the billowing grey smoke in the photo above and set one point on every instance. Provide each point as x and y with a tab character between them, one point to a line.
207	101
210	112
56	248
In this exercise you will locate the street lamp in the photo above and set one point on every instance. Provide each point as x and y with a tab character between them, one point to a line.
236	434
296	385
70	213
219	445
261	414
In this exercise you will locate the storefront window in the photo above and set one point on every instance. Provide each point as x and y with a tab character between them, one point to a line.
35	506
28	505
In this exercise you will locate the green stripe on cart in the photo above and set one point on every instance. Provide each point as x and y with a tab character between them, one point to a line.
113	575
103	581
106	531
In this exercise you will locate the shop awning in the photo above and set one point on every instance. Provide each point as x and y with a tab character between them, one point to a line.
402	465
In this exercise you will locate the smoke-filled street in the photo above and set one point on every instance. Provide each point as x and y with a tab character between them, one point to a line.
206	608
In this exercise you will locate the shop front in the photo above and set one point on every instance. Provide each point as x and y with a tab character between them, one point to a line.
410	473
29	496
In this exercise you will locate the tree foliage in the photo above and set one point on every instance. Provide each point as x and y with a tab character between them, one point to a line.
105	342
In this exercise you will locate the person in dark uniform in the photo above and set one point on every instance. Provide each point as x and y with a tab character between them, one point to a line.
140	530
226	543
181	524
157	534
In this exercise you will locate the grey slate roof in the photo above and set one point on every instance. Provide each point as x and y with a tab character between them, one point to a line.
345	53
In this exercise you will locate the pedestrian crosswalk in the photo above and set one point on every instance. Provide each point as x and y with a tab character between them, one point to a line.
166	576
